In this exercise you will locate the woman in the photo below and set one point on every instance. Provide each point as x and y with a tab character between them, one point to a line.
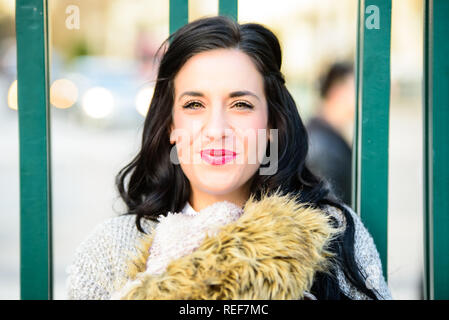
210	216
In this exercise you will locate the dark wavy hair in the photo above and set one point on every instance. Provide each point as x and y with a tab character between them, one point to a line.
157	186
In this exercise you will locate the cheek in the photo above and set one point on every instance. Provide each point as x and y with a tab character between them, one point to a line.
184	130
255	145
253	138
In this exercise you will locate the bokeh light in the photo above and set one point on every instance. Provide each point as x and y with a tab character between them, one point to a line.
98	102
12	96
63	93
143	100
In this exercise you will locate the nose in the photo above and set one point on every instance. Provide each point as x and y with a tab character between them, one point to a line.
217	126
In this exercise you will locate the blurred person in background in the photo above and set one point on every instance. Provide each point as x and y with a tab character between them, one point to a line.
330	131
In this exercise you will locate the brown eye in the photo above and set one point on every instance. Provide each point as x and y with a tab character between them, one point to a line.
193	105
243	105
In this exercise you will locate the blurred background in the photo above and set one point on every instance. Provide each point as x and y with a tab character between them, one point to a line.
101	77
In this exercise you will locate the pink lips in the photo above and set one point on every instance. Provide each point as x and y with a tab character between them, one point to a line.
217	156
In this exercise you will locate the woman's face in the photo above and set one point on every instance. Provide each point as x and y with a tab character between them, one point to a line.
219	112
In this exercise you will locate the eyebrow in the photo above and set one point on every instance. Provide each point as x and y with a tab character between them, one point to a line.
231	95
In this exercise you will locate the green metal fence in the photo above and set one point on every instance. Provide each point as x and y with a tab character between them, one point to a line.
436	149
34	138
370	184
370	191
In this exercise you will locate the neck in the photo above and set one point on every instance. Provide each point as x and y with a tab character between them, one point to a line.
200	199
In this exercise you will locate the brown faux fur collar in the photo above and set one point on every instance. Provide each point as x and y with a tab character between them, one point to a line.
271	252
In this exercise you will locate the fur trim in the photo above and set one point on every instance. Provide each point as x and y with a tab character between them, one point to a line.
271	252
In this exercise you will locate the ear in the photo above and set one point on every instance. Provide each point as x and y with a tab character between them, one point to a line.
170	131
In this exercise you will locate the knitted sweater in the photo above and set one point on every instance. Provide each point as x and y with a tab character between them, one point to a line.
101	261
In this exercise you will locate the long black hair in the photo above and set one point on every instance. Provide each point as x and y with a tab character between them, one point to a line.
156	185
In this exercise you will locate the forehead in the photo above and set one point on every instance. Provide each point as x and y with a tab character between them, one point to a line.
219	70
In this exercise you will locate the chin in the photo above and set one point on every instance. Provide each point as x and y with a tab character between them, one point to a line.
217	187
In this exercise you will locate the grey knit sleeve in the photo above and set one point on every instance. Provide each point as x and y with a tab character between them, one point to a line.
89	275
368	259
100	260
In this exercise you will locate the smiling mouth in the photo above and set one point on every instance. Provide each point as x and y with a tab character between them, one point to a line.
217	156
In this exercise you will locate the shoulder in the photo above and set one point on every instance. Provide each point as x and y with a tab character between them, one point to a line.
366	256
113	234
101	258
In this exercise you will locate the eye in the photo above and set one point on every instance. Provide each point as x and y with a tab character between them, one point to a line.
197	105
243	105
192	105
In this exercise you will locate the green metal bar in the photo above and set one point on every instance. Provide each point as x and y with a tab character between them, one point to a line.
373	120
36	272
426	141
436	147
228	8
179	14
355	143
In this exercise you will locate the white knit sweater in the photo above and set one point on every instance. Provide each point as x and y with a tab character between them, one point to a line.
177	234
101	258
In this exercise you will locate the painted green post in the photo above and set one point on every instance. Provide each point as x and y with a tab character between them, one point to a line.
228	8
178	15
373	104
355	187
436	149
179	12
34	138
